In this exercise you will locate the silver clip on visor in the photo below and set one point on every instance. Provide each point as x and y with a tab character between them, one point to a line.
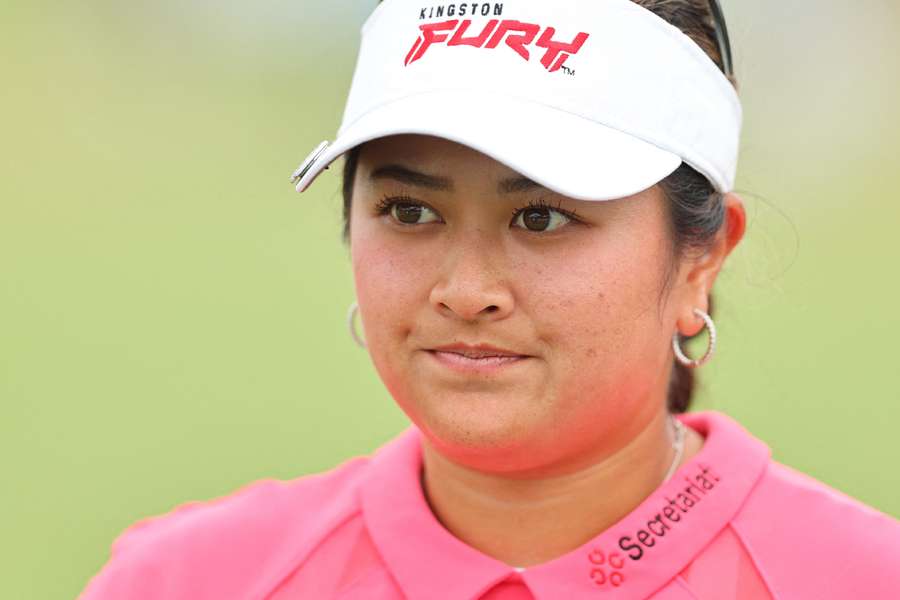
310	160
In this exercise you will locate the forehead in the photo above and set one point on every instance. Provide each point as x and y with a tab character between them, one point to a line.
430	153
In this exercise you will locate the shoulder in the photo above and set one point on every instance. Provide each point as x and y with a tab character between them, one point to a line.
232	545
812	540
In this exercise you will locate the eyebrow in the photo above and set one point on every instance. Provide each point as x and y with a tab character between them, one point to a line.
445	184
408	176
518	184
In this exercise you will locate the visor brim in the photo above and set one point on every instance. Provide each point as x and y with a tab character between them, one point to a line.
564	152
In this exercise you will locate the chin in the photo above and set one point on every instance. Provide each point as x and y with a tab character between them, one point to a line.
489	440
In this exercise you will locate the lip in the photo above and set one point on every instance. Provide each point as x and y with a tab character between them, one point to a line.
475	358
476	350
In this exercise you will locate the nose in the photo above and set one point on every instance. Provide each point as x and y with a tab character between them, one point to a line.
472	286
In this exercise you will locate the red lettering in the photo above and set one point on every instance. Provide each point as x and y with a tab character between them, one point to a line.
552	59
516	34
430	36
477	41
517	42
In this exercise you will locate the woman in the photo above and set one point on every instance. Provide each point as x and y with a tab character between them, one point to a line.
538	201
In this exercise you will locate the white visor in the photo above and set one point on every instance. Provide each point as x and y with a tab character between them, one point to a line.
593	99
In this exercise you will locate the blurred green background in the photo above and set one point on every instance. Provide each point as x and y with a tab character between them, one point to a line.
172	312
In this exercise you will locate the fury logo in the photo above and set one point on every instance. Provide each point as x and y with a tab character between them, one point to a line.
517	35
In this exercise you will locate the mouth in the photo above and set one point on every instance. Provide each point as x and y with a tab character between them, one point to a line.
481	358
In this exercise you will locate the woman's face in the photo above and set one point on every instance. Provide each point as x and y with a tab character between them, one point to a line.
452	248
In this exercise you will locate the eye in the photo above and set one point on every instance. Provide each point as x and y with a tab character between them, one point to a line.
412	214
541	217
406	211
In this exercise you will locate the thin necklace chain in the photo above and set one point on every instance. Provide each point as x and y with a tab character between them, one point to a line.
677	445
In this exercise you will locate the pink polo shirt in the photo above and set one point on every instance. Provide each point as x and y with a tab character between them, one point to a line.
731	524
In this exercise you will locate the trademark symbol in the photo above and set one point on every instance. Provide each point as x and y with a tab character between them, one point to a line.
568	71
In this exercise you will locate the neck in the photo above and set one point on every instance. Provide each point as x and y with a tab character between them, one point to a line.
528	521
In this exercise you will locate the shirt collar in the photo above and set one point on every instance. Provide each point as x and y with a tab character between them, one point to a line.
636	556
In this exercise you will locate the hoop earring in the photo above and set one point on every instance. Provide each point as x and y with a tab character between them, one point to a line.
351	318
711	347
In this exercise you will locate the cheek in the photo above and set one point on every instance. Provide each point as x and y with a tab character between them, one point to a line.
595	294
379	273
383	268
389	288
597	317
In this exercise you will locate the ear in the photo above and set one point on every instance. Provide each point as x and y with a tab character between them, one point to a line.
703	270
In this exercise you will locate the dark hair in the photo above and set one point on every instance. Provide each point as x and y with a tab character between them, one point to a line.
696	210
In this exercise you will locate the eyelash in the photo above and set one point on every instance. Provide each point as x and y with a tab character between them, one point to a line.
384	206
